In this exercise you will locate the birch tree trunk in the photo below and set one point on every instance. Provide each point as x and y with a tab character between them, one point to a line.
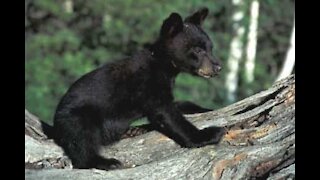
289	62
236	48
252	41
68	6
260	144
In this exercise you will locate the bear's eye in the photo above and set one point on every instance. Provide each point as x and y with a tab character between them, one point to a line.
202	45
193	56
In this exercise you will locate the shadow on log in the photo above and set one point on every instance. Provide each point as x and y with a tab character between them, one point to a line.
260	144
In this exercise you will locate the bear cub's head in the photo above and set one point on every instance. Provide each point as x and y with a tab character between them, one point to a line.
188	47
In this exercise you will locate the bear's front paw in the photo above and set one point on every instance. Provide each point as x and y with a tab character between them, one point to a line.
213	135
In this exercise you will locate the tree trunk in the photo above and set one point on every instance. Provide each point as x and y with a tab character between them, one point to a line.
289	62
252	41
236	48
260	144
68	6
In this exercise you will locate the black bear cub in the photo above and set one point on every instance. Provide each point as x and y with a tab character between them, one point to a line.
97	108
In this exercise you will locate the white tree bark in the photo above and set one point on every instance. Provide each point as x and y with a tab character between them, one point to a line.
252	41
68	6
236	48
290	58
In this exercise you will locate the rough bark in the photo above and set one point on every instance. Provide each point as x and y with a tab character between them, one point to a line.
260	144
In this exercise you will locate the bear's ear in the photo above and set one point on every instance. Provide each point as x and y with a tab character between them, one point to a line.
198	17
171	26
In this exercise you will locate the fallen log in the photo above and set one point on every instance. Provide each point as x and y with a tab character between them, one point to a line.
260	144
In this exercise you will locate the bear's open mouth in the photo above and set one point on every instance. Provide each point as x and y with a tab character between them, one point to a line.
204	74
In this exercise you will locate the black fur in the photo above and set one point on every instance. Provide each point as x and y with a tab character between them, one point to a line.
97	108
187	107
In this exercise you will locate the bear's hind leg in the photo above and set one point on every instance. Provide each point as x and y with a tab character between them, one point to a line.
81	144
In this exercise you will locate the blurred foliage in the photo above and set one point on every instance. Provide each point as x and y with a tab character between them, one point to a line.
63	43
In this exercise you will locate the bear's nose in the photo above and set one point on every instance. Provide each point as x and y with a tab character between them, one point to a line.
219	68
